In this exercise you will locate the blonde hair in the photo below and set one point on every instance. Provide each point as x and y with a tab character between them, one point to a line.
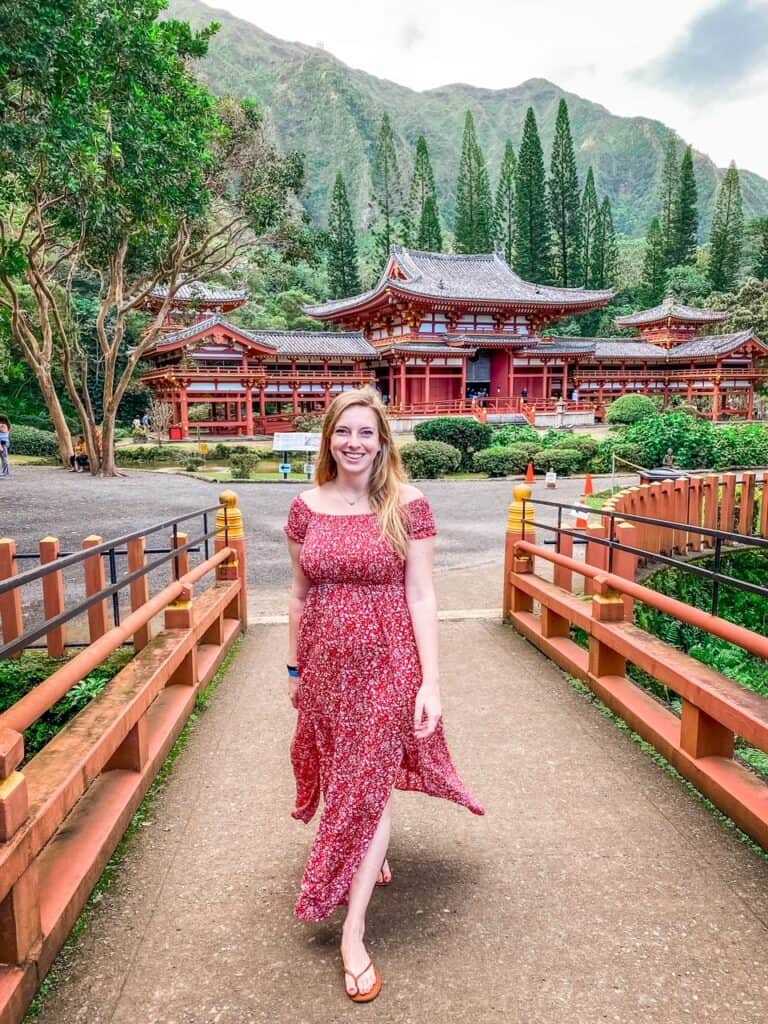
387	473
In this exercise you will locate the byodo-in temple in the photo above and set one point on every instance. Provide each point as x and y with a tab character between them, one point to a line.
439	335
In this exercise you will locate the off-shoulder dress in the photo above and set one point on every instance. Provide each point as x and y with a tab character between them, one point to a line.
360	672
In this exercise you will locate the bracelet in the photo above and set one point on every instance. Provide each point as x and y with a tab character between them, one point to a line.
293	671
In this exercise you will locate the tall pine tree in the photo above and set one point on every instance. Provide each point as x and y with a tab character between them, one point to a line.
474	214
758	229
387	191
686	222
430	238
727	235
532	231
668	195
564	214
605	253
589	216
343	272
654	274
422	201
504	207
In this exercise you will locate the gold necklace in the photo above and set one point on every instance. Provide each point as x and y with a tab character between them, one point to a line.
345	499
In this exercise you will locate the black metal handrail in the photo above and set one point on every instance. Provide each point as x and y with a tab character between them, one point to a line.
720	537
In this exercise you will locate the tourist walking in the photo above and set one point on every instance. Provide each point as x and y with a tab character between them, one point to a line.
362	667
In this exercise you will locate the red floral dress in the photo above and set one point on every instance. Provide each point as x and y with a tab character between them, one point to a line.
360	672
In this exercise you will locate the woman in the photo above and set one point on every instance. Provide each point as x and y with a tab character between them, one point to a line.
362	666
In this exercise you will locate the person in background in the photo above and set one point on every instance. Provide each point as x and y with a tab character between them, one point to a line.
79	462
5	446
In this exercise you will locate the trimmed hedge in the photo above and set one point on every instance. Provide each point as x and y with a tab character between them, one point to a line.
31	441
510	434
563	460
428	460
463	433
241	466
505	461
151	453
631	409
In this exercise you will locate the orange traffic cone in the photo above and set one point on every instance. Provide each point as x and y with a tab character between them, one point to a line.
529	473
588	489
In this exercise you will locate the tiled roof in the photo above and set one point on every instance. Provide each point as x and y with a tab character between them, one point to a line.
422	348
669	309
298	343
559	346
198	292
319	343
710	345
627	348
486	277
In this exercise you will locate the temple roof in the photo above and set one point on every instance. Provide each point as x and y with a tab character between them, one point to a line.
484	277
199	294
427	348
297	343
671	310
709	346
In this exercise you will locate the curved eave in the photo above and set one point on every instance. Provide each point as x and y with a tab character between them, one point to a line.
669	321
382	297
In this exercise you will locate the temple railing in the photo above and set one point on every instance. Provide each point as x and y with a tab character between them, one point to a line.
63	812
715	709
706	374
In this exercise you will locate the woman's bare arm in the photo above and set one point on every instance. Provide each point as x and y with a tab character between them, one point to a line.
299	590
422	605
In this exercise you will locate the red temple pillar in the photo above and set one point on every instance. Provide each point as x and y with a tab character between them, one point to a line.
391	382
263	408
463	394
545	382
751	401
249	411
184	412
295	399
565	380
716	402
427	397
402	396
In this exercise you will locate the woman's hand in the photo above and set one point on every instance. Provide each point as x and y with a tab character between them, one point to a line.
294	682
428	710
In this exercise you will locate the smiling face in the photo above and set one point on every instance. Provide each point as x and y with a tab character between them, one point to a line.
355	441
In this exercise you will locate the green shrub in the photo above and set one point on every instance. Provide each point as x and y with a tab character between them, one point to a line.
602	462
225	451
563	460
193	463
151	453
428	460
505	461
631	409
200	412
742	445
242	465
463	433
308	423
691	440
510	434
31	441
584	444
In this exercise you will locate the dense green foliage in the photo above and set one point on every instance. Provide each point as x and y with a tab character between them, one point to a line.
605	253
564	205
686	226
19	676
467	435
511	433
758	231
343	273
244	464
428	460
653	278
474	211
532	228
561	460
422	201
748	610
631	409
727	236
504	207
31	441
504	460
668	194
387	186
589	215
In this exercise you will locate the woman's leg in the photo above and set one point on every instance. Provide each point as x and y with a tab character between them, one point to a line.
353	952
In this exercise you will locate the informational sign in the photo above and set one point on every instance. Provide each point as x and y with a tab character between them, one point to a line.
309	469
296	443
285	467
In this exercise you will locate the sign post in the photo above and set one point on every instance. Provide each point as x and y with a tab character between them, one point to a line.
307	444
285	469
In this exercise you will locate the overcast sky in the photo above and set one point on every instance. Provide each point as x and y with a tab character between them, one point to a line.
700	66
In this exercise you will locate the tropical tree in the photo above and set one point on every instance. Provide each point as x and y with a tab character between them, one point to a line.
117	166
387	190
474	214
590	217
564	212
430	237
668	195
686	220
727	235
653	277
504	207
605	253
758	233
532	231
422	201
343	272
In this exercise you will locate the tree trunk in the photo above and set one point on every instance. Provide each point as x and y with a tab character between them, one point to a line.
108	467
53	405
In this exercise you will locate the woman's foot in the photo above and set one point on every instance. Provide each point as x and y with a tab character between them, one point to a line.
359	972
385	875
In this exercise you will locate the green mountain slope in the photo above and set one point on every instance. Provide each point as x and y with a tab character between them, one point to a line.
331	113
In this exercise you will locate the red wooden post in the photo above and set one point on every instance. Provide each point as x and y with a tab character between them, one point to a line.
763	509
728	503
667	512
137	559
11	617
595	555
747	510
95	581
53	596
680	538
711	506
702	736
625	563
20	908
564	577
695	512
230	533
182	559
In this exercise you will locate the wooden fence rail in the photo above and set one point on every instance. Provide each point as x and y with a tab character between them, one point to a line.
715	709
63	814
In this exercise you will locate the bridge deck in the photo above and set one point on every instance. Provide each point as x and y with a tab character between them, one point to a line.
597	888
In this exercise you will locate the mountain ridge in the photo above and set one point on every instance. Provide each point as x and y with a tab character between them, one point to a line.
331	112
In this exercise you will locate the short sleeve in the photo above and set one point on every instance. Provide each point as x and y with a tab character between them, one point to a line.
421	521
299	515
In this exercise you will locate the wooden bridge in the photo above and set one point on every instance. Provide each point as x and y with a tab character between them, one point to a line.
597	888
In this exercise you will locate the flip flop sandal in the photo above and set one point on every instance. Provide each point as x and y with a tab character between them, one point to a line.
383	882
363	997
